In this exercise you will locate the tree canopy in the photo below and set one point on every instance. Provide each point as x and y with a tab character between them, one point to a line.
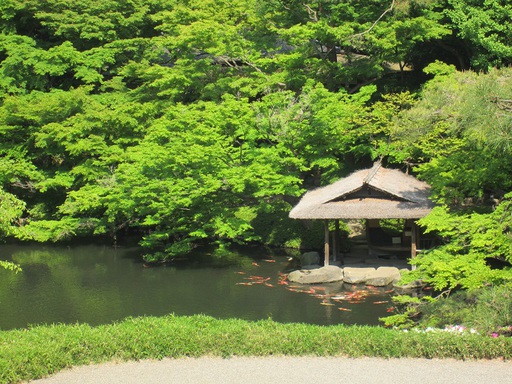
190	122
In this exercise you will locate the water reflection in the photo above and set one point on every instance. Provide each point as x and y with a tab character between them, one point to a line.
98	284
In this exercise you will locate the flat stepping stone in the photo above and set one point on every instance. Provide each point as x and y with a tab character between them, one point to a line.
383	276
354	275
327	274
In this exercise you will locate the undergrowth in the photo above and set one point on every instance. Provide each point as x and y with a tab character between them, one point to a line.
486	309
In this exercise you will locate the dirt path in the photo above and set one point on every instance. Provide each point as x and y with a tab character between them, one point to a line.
289	370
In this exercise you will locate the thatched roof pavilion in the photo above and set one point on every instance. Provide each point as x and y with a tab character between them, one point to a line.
375	193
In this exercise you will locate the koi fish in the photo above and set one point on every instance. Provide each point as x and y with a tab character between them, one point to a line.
389	291
240	273
318	288
257	278
381	302
244	283
269	260
390	309
358	294
269	285
282	282
344	309
256	264
326	303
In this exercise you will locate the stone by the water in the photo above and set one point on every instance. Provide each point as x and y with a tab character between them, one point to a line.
383	276
327	274
354	275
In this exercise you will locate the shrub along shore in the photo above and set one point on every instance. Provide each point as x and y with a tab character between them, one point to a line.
27	354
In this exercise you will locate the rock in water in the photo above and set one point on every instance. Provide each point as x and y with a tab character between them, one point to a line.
383	276
327	274
353	275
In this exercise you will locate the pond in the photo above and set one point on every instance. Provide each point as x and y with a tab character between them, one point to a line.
97	284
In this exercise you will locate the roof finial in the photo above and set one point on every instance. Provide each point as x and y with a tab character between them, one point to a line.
373	170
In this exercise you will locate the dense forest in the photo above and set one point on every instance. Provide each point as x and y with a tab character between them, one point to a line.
188	122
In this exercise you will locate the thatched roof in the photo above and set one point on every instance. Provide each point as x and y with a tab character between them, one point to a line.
375	193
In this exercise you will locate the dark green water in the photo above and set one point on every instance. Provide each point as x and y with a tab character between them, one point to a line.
98	285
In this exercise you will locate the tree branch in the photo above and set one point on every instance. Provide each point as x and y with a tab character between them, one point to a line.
391	7
503	104
24	185
443	294
313	15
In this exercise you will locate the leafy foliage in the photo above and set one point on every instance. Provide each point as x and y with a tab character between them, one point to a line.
184	122
407	312
460	132
470	240
11	210
485	26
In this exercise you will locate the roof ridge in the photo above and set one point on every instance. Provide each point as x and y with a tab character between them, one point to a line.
373	171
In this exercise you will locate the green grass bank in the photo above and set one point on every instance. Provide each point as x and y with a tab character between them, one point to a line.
43	350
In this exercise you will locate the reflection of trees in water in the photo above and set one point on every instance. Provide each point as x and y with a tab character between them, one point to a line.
45	257
63	284
98	285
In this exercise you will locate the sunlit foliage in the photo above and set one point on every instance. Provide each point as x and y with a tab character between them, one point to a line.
185	122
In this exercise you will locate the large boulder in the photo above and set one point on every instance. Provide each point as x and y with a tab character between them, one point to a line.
383	276
354	275
327	274
309	258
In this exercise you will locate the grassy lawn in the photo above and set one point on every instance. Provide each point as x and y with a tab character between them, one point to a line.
39	351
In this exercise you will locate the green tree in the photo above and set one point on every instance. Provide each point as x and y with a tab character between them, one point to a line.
471	240
11	210
352	43
203	121
459	131
485	28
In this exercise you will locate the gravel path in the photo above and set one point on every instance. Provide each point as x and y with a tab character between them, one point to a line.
288	370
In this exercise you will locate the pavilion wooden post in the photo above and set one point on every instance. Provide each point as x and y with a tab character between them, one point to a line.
326	237
336	243
414	240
